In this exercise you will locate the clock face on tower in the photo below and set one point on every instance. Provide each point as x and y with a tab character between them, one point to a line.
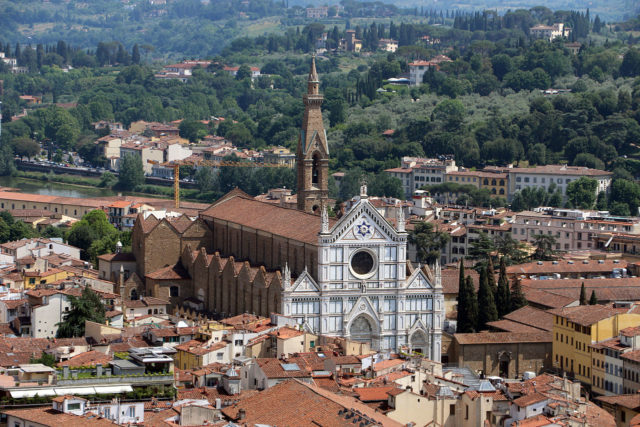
363	230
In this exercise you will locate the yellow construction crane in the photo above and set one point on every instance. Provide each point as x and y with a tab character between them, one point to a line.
207	163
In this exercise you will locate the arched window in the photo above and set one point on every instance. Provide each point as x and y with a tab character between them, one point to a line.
493	191
493	182
486	181
134	294
315	170
502	191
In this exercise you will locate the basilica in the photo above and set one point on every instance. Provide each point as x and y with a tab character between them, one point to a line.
347	277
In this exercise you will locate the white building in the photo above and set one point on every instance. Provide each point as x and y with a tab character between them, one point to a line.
573	229
36	248
365	292
416	172
48	307
549	32
560	175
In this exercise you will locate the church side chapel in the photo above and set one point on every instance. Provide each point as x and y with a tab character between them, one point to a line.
348	277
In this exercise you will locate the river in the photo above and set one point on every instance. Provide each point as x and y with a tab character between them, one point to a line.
53	188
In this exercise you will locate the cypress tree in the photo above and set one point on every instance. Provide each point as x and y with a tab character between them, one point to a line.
518	299
594	299
503	296
462	298
487	311
491	278
470	311
583	295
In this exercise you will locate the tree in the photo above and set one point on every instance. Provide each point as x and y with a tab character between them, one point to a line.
630	66
193	130
503	295
545	247
25	147
108	180
593	300
486	301
131	174
510	249
86	307
428	242
581	193
583	295
135	54
205	179
7	164
518	300
482	248
46	359
244	71
491	278
94	235
451	113
467	303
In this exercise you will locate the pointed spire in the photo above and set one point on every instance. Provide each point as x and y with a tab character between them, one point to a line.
325	219
313	74
286	281
401	221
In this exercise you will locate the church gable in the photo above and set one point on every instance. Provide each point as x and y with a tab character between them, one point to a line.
418	280
363	223
305	284
362	306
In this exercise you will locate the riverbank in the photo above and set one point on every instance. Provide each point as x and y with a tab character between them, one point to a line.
85	187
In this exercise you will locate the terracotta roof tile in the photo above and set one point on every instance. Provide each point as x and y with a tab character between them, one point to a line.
260	216
502	337
530	399
50	417
631	401
372	394
587	315
89	358
170	272
531	316
293	403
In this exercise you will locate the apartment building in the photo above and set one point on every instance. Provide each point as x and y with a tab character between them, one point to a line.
495	182
573	229
576	329
609	359
416	172
560	175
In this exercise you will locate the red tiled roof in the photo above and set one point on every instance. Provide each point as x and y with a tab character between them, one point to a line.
373	394
386	364
502	337
293	403
587	315
631	401
89	358
272	368
170	272
511	326
289	223
530	399
533	317
49	417
631	331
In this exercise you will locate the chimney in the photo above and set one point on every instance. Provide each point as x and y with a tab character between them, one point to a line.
241	414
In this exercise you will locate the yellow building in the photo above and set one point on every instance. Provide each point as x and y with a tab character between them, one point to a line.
33	278
575	329
496	183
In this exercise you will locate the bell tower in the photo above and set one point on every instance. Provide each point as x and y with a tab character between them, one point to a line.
312	156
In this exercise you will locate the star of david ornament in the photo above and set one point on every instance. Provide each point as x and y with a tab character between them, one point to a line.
363	230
